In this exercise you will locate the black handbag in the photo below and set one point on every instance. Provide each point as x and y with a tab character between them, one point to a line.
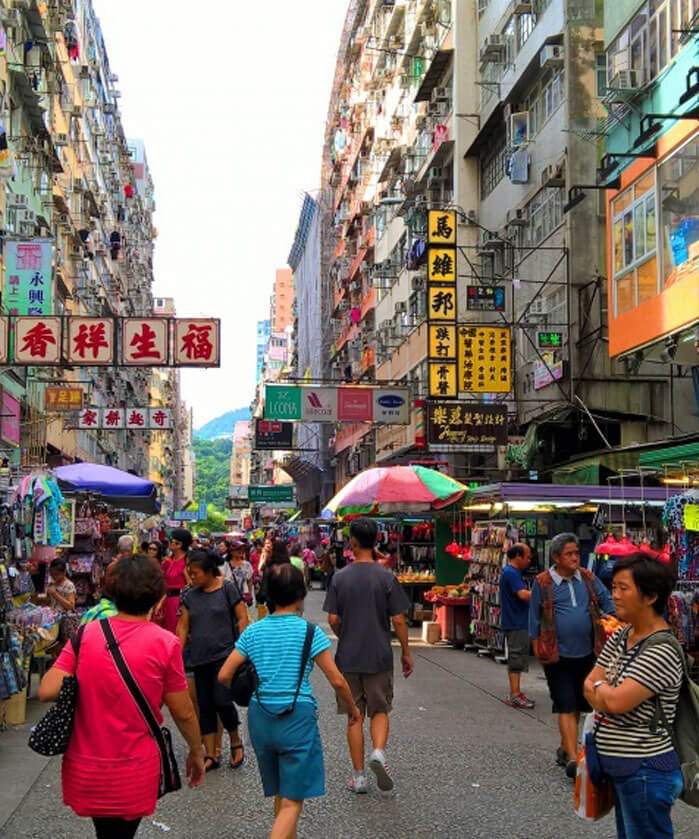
51	735
169	771
245	682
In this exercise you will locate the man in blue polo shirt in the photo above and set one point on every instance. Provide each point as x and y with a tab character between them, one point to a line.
514	615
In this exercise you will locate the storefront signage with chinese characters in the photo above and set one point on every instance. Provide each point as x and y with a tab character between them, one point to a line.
547	372
306	403
442	303
81	341
271	494
485	298
28	279
273	435
484	359
466	426
63	398
550	340
136	419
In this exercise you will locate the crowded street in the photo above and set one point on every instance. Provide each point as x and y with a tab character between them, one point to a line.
465	767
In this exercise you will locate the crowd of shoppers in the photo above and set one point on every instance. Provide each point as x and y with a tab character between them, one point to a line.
187	614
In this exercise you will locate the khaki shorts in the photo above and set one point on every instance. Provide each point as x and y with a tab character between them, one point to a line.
372	693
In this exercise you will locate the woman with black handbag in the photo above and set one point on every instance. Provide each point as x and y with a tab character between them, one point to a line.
114	768
212	616
282	715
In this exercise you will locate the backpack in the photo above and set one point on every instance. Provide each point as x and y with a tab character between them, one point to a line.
685	731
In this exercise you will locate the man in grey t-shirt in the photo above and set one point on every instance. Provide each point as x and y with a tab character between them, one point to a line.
361	602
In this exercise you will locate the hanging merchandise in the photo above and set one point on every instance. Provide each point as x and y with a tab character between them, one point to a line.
684	543
70	34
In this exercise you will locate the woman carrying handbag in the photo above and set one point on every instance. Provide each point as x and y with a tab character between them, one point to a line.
112	767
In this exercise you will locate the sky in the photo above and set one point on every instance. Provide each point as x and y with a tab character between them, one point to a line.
230	98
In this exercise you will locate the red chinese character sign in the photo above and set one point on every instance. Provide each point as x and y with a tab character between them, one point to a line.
37	340
89	418
144	342
197	342
113	418
160	419
90	340
137	418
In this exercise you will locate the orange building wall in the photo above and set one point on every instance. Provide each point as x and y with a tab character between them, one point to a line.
283	297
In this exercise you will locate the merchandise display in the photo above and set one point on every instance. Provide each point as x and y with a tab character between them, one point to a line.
489	543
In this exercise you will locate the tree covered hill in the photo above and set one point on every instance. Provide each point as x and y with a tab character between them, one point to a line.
222	426
212	470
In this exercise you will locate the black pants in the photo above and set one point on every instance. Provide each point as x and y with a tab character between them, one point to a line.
113	828
214	699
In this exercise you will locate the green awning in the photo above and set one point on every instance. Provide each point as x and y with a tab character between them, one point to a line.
689	452
585	475
587	471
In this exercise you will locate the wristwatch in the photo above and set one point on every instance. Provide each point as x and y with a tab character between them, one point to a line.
598	683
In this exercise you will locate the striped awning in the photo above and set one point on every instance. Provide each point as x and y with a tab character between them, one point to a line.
671	455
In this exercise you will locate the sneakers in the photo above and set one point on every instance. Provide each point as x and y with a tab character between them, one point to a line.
520	701
358	785
378	765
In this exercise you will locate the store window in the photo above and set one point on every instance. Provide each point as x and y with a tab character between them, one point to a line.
678	178
634	244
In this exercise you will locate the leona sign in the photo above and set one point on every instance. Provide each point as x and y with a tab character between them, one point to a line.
306	403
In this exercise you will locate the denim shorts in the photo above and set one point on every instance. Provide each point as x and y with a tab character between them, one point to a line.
289	752
643	801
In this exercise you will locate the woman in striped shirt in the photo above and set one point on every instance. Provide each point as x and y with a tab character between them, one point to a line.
624	687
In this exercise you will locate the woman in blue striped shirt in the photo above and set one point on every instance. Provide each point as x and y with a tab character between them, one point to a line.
287	745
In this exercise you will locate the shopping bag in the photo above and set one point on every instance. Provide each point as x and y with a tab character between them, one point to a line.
591	802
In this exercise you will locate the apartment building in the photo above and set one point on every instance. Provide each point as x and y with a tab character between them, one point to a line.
70	176
282	302
264	328
240	457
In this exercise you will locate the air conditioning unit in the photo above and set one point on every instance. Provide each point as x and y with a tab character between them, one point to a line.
441	94
490	241
77	111
417	283
108	108
519	216
627	80
76	251
552	175
551	55
493	49
400	308
60	139
522	8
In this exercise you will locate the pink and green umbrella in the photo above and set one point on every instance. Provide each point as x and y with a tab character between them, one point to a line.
395	489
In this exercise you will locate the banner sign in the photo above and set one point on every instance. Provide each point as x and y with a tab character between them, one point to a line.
484	359
63	398
466	426
81	341
306	403
271	494
442	303
272	435
28	278
186	515
547	372
485	298
136	419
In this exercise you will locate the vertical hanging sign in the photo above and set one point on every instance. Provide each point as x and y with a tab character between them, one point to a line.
442	308
28	287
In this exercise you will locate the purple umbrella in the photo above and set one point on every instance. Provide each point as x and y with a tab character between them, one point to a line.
122	489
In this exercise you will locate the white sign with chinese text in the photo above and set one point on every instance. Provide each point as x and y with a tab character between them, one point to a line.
114	418
144	341
197	342
160	418
90	340
89	418
37	340
137	418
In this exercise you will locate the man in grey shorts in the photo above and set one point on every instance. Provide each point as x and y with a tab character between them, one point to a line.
362	601
514	613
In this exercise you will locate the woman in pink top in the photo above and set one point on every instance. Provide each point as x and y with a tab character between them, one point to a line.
111	768
175	572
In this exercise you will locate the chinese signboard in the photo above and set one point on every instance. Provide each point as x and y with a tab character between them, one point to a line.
484	359
485	298
196	342
337	404
186	515
28	285
63	398
37	340
273	435
136	419
271	494
442	303
144	341
547	372
466	426
550	340
90	340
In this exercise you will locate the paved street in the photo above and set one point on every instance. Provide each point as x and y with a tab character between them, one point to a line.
465	766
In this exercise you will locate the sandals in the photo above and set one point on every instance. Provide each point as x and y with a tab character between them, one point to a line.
213	763
237	763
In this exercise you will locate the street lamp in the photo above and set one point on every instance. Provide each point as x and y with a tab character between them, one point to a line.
576	194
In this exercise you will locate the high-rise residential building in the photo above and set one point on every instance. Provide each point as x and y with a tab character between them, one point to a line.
240	456
282	301
264	328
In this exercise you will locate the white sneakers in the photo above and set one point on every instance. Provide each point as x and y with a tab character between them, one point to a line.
358	784
378	765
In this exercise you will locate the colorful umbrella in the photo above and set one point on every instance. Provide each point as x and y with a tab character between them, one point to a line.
395	489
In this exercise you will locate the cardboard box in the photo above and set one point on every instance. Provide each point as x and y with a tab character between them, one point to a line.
431	632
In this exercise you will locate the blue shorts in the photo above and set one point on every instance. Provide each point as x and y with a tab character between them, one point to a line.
289	752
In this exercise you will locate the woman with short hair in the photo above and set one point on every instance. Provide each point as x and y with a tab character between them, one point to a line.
640	666
175	571
212	617
287	746
111	769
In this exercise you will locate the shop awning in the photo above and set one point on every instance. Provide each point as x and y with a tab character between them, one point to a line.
672	455
589	470
596	493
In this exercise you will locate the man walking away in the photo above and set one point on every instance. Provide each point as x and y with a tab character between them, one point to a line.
514	604
361	602
566	605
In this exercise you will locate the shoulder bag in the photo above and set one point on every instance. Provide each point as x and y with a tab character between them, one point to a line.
169	771
246	683
51	735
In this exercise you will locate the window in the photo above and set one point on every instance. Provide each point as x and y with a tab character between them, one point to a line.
679	211
544	99
493	166
545	214
601	74
525	27
634	242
